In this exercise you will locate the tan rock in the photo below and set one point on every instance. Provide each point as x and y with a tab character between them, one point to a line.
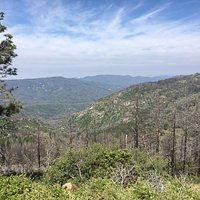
69	186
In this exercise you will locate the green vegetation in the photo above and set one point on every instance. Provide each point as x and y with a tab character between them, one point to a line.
173	93
160	117
95	171
53	111
87	163
51	97
57	96
20	187
8	105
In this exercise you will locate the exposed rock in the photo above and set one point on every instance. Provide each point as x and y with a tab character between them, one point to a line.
70	186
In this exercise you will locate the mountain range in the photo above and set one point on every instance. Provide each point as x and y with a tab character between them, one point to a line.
120	81
56	96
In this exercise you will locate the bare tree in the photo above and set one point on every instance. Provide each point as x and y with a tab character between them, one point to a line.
173	145
136	126
38	145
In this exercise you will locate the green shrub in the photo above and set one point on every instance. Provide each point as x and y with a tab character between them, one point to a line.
177	189
20	187
141	190
147	162
98	189
84	164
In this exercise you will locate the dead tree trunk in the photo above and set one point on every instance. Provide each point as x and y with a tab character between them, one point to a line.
173	154
126	141
38	146
3	156
198	152
158	140
121	140
198	173
158	131
185	149
136	135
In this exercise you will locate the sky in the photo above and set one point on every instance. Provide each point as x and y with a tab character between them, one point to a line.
76	38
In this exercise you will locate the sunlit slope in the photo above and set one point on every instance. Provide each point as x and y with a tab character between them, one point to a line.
119	108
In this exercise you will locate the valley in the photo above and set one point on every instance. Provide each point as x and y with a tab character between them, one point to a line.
55	97
149	128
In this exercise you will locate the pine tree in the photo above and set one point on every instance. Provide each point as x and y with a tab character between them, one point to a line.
8	105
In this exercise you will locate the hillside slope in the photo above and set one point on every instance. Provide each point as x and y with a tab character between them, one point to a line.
57	95
161	118
57	90
119	108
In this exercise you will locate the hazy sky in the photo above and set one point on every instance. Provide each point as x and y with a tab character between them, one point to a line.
74	38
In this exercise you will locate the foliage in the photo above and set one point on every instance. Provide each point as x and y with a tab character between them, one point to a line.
148	162
118	109
96	188
15	188
52	110
94	179
8	105
6	52
146	111
82	165
97	161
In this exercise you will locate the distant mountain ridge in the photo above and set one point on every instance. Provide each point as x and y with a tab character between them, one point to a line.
122	81
54	96
57	89
50	97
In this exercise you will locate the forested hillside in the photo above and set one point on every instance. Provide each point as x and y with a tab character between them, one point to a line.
148	146
57	96
161	117
57	90
169	95
52	97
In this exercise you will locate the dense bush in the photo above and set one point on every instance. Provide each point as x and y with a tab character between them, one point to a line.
148	162
97	161
20	187
17	188
84	164
92	170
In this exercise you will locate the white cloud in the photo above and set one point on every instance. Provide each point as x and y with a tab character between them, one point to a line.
149	15
71	36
